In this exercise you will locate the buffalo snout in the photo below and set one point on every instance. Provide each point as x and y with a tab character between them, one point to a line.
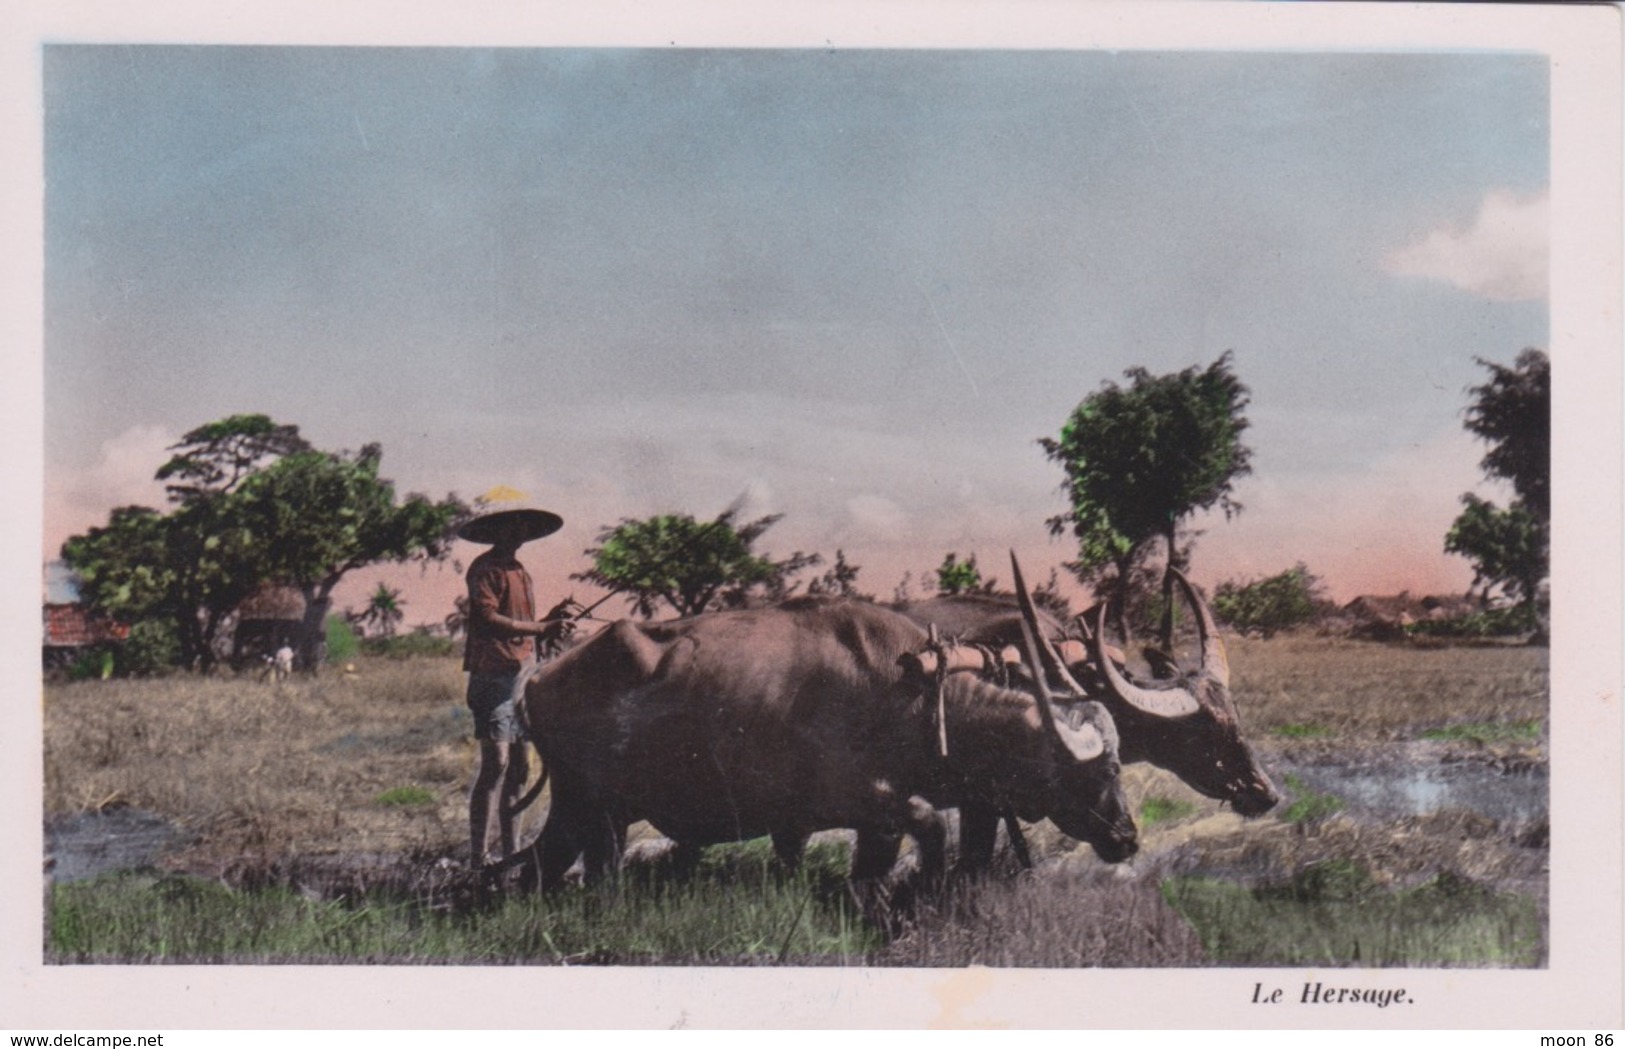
1255	798
1118	847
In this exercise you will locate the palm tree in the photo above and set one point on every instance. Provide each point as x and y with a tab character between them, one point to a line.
383	612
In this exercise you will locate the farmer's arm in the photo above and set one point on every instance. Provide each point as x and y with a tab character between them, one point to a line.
485	604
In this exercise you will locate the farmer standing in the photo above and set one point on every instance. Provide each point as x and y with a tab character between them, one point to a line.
500	655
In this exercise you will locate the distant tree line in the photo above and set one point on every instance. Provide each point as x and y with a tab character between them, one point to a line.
251	503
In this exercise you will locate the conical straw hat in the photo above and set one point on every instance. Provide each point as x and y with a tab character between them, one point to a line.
502	504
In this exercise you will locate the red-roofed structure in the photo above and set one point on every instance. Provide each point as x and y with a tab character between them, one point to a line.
72	630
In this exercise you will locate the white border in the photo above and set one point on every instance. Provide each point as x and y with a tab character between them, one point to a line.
1580	991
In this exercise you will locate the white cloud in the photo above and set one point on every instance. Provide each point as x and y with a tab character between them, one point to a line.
1502	256
875	517
77	499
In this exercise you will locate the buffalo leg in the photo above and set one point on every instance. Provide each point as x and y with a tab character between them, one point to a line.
875	854
978	832
570	830
930	836
604	839
788	845
557	847
1018	841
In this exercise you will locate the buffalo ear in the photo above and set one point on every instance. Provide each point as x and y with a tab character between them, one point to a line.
1083	741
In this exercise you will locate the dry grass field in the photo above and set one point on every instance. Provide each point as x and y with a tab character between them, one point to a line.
346	793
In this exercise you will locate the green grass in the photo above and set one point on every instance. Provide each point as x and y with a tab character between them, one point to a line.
1300	731
406	796
1332	915
1489	732
1309	805
1157	809
734	909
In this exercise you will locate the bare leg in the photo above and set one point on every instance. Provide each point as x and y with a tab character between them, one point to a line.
513	785
484	799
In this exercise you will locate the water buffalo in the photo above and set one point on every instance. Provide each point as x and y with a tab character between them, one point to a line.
1187	725
731	725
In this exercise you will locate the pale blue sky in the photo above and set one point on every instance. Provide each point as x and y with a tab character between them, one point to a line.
856	284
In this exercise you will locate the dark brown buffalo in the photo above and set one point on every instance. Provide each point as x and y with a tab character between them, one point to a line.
1187	725
732	725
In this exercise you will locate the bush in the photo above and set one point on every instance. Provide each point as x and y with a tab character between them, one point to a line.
342	644
405	646
152	646
1268	605
97	663
1494	622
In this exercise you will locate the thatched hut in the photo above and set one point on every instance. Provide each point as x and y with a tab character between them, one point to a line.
268	619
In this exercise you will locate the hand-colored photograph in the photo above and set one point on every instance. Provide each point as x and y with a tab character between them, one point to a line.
613	507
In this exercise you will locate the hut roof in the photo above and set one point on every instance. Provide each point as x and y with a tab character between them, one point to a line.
273	602
1372	606
69	626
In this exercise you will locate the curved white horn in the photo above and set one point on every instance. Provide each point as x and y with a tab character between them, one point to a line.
1053	663
1084	742
1215	661
1162	703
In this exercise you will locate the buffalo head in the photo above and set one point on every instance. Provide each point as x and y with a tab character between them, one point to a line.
1189	726
1086	799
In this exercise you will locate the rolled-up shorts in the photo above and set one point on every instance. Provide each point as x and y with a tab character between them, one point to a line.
493	699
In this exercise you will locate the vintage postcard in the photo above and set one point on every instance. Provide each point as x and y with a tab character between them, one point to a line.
815	515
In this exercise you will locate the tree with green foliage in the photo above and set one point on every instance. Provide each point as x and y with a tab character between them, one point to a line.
961	577
841	580
689	566
189	568
1510	548
216	457
317	516
1141	459
1513	413
1287	599
254	504
151	647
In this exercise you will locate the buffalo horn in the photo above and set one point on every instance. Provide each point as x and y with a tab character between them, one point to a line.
1053	664
1084	742
1215	661
1045	714
1162	703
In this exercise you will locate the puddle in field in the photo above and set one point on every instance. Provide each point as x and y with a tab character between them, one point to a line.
1502	795
85	844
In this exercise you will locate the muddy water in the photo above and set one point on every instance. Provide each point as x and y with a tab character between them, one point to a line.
1512	796
86	844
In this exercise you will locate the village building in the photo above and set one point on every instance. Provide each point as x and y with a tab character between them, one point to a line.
71	632
268	619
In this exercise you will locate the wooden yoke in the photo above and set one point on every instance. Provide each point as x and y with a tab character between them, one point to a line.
952	659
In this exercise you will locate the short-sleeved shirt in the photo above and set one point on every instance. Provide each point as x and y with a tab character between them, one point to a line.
498	586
